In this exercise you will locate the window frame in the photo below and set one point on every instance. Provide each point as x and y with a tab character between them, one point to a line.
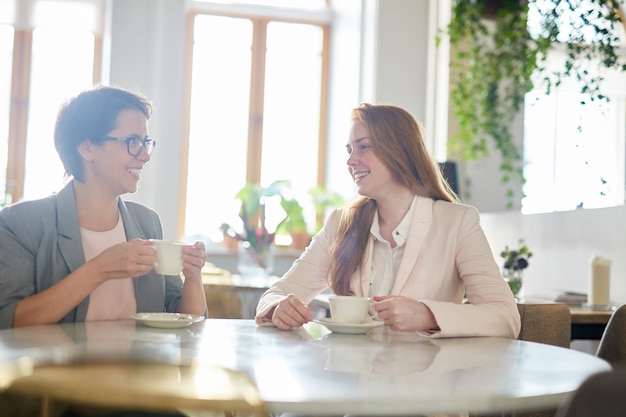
19	103
259	20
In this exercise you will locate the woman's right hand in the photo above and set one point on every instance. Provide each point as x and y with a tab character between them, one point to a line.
124	260
291	312
128	259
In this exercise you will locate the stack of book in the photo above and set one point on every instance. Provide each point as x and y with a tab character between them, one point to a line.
571	297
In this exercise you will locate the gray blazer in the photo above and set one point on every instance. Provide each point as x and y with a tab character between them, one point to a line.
40	245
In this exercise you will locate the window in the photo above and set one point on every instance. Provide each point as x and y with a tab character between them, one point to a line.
45	60
574	148
256	113
56	74
574	152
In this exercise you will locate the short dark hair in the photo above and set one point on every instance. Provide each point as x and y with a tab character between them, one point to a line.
91	115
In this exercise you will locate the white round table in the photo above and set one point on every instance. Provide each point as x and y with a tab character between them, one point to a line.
310	370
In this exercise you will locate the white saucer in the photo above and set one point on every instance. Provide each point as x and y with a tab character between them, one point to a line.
348	328
166	320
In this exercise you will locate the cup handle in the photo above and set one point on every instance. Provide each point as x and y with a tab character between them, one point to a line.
372	311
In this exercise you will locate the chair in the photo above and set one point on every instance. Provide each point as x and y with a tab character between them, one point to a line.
612	347
158	389
600	395
549	323
11	370
222	302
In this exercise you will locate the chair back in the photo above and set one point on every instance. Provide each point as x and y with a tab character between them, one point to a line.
222	300
549	323
612	347
600	395
149	387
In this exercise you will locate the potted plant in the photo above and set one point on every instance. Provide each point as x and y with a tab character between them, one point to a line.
294	223
322	200
495	60
256	242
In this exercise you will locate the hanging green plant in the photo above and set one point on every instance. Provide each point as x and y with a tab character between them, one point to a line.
495	60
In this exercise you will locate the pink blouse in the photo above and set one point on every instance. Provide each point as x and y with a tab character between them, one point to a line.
115	298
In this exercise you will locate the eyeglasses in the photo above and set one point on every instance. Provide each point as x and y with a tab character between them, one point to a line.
135	145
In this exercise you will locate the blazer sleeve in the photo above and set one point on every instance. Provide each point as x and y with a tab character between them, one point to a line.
491	309
30	256
307	277
17	265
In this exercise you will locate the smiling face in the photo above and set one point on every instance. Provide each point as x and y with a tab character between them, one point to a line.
108	165
372	177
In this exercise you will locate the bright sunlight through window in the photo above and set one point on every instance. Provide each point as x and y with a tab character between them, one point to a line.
220	121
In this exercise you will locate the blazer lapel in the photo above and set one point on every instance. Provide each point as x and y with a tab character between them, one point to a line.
68	238
68	230
130	226
133	231
420	224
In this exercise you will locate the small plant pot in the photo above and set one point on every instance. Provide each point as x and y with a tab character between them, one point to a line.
300	240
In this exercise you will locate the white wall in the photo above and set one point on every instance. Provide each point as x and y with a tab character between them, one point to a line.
346	73
147	54
562	245
401	51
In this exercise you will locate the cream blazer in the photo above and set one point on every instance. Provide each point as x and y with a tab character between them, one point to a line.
446	258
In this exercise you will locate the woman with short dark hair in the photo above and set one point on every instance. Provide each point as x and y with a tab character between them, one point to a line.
84	253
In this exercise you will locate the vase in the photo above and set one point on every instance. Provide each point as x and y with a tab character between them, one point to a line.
255	262
515	279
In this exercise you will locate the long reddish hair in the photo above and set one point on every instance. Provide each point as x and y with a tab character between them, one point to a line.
398	141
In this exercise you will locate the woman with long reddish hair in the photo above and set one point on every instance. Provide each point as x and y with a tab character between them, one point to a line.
406	242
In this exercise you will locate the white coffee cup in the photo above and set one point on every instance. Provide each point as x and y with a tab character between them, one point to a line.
349	309
169	256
